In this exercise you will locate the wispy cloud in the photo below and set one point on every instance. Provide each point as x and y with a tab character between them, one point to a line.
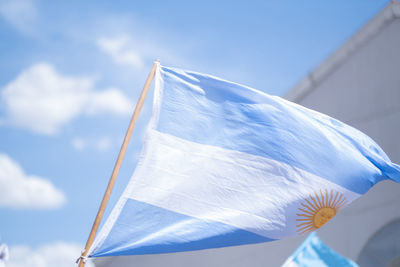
43	100
100	144
19	190
103	144
110	100
60	254
131	49
22	14
121	51
78	143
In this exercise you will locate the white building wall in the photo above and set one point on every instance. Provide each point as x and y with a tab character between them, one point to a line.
364	91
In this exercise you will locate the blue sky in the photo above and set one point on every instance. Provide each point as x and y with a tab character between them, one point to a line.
71	72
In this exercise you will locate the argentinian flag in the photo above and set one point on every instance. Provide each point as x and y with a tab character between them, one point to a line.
226	165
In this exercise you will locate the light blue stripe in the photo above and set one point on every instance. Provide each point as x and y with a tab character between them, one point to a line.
142	228
211	111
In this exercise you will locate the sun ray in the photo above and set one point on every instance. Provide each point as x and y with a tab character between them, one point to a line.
339	199
327	199
308	212
309	203
303	215
316	205
317	197
307	207
322	198
306	229
342	204
303	219
305	223
333	202
330	199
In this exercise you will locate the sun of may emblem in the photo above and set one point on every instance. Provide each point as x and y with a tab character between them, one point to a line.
319	209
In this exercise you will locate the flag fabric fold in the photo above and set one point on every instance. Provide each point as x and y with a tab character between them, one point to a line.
224	165
314	253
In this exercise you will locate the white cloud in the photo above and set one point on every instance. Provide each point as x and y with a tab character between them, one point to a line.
22	14
19	190
78	143
136	49
110	100
121	51
43	100
103	144
60	254
100	144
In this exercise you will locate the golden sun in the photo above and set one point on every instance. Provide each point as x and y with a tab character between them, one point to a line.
318	210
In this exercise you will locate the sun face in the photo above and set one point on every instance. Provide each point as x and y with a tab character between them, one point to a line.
318	210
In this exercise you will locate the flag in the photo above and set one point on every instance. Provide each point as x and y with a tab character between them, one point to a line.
225	165
314	253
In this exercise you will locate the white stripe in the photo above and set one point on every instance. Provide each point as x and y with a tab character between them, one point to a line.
246	191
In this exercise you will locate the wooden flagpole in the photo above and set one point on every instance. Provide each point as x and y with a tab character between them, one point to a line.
117	165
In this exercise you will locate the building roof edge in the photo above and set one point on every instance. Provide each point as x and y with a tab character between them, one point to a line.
329	65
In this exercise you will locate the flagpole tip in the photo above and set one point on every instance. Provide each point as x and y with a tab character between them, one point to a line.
157	61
